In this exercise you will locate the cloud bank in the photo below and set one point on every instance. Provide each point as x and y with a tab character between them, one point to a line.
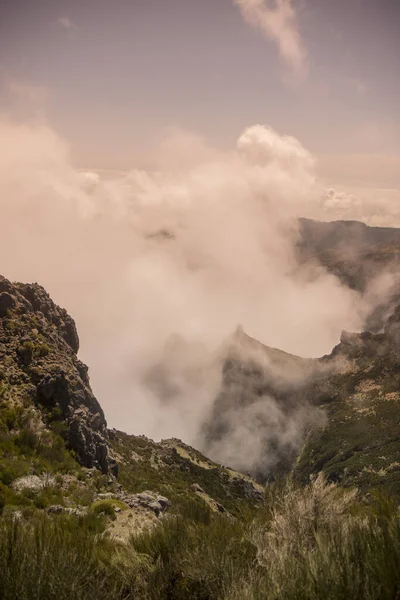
159	267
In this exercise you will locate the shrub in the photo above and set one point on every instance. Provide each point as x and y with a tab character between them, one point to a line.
107	507
27	440
42	350
26	351
318	542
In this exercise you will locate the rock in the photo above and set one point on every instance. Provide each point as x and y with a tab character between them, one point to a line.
7	302
157	504
96	422
163	502
106	496
145	497
155	507
197	488
347	337
46	360
56	509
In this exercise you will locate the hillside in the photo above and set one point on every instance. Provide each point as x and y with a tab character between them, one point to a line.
55	448
360	445
87	512
339	414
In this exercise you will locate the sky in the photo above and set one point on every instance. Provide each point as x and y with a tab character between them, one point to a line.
114	77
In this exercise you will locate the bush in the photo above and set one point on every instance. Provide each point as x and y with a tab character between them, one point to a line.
27	440
42	350
319	542
26	351
107	507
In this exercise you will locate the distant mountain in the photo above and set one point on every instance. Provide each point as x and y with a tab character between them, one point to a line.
344	236
359	256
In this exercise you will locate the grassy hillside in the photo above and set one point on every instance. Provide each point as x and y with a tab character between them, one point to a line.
170	523
316	542
182	473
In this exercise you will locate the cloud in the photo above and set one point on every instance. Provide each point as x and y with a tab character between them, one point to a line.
277	19
263	146
377	207
159	267
66	24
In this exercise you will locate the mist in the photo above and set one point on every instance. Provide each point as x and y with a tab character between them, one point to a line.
158	267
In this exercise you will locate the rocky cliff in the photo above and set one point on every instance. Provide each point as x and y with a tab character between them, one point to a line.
39	364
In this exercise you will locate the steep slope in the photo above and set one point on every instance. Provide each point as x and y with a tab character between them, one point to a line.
40	369
339	414
54	442
181	473
360	445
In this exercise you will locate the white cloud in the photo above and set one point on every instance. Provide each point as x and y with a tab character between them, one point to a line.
277	19
158	268
377	207
66	23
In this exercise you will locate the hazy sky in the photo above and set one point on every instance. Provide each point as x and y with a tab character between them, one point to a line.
112	77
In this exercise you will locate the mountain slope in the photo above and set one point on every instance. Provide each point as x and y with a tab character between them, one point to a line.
39	368
339	414
360	445
54	441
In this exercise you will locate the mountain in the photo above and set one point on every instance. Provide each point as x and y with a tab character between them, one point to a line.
360	444
363	258
90	512
52	426
318	237
339	414
40	369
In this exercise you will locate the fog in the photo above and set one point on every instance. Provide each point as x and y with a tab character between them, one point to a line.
159	267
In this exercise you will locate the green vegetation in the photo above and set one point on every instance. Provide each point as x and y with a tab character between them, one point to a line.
315	542
107	507
26	451
171	468
360	444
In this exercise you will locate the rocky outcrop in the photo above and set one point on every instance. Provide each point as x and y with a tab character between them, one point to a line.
38	347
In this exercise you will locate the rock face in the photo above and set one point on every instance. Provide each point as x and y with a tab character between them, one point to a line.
38	347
